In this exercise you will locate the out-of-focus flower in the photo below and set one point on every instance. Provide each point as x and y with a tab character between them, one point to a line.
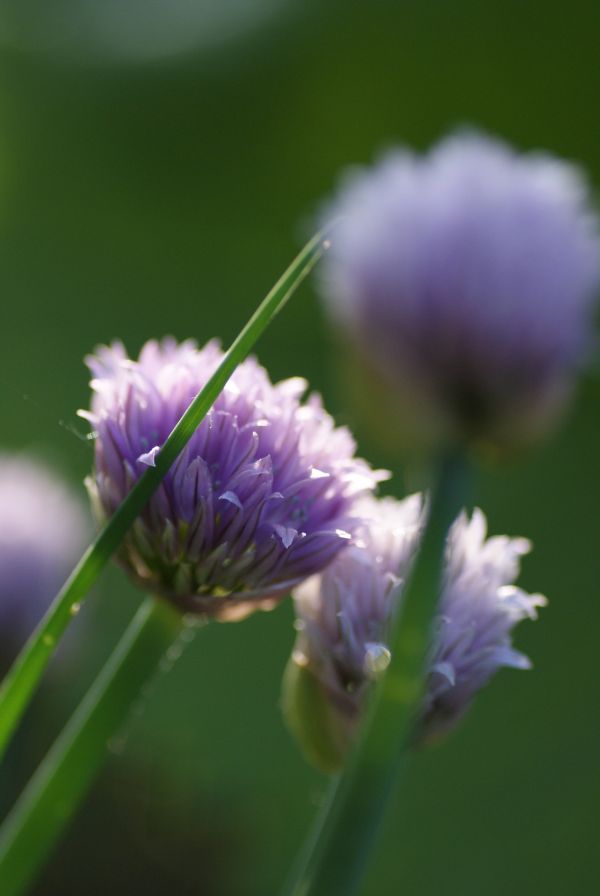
344	617
42	533
259	499
466	278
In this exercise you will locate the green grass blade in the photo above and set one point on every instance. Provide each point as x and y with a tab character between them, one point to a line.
62	779
21	682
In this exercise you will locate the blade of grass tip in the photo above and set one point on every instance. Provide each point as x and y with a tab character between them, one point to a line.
148	646
334	861
20	683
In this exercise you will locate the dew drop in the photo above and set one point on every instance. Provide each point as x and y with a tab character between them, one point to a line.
75	608
300	658
377	658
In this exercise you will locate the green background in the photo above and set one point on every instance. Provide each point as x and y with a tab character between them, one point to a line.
164	192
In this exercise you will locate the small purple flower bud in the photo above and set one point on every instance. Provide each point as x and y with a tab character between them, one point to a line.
344	618
43	530
467	279
260	497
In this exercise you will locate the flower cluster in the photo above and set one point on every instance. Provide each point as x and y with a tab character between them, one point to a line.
259	499
466	278
344	617
42	532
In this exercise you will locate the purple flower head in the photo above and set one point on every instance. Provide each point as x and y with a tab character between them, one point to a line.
42	533
258	500
467	279
479	607
344	615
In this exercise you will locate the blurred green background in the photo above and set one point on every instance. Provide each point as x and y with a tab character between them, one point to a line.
160	163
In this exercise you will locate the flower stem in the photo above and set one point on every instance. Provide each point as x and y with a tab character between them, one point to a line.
334	860
62	779
20	683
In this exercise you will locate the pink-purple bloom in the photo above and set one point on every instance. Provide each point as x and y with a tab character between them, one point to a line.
345	614
467	279
260	497
43	530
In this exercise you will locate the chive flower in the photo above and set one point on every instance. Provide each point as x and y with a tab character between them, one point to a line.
344	617
260	497
466	278
43	530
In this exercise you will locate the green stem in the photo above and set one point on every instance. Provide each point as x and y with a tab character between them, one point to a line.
61	781
20	683
311	846
335	861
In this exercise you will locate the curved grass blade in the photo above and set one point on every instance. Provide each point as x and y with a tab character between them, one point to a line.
21	682
53	794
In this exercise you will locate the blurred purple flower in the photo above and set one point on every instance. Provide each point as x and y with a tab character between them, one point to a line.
344	616
42	533
259	498
479	607
467	279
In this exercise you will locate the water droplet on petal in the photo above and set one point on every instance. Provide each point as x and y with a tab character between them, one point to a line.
377	658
